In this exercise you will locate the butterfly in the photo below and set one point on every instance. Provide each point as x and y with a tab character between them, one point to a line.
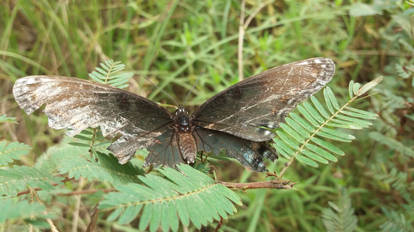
237	121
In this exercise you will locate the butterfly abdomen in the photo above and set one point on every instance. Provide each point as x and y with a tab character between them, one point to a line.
187	146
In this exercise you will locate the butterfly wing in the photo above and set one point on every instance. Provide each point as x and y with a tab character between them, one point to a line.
248	153
264	99
165	150
77	104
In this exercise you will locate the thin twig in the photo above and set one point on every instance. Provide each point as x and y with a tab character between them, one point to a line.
274	184
75	219
49	221
241	39
94	219
38	189
74	193
255	12
87	191
219	224
244	24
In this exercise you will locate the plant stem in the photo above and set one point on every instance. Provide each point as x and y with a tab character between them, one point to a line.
241	40
274	184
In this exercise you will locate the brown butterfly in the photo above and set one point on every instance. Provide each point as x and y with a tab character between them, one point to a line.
237	120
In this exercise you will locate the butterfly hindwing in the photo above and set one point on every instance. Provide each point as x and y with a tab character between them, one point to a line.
248	153
76	104
264	99
165	150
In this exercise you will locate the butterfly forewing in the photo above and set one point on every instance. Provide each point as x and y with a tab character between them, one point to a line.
264	100
76	104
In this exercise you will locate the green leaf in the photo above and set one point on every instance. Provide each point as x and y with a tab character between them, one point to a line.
19	178
338	133
81	165
330	99
306	161
110	72
369	115
355	88
313	112
172	199
332	136
359	122
366	115
303	136
362	9
292	123
12	209
301	121
396	221
292	133
321	152
368	86
351	89
284	149
4	118
392	143
10	151
328	146
285	138
314	156
307	116
319	107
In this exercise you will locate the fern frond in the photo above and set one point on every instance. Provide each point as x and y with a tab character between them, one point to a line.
396	222
76	161
10	151
4	118
11	209
395	178
187	195
391	143
19	178
91	138
110	72
340	218
304	136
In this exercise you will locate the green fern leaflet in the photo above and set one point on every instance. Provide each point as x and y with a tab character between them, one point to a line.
304	136
110	72
188	195
340	217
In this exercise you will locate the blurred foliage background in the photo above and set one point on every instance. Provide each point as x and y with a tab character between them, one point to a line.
183	52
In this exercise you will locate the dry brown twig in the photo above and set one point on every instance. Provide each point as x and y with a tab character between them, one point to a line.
244	24
274	184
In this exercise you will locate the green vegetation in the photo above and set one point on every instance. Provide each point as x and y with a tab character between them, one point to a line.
183	52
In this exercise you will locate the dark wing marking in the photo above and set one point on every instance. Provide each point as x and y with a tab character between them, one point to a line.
164	151
248	153
265	99
77	104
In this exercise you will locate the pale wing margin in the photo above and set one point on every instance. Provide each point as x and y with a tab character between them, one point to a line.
76	104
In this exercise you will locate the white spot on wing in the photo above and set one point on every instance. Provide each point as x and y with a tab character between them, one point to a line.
266	132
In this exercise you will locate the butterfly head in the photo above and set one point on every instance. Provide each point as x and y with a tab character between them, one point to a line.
182	119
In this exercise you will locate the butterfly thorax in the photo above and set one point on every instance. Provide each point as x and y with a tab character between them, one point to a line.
182	120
